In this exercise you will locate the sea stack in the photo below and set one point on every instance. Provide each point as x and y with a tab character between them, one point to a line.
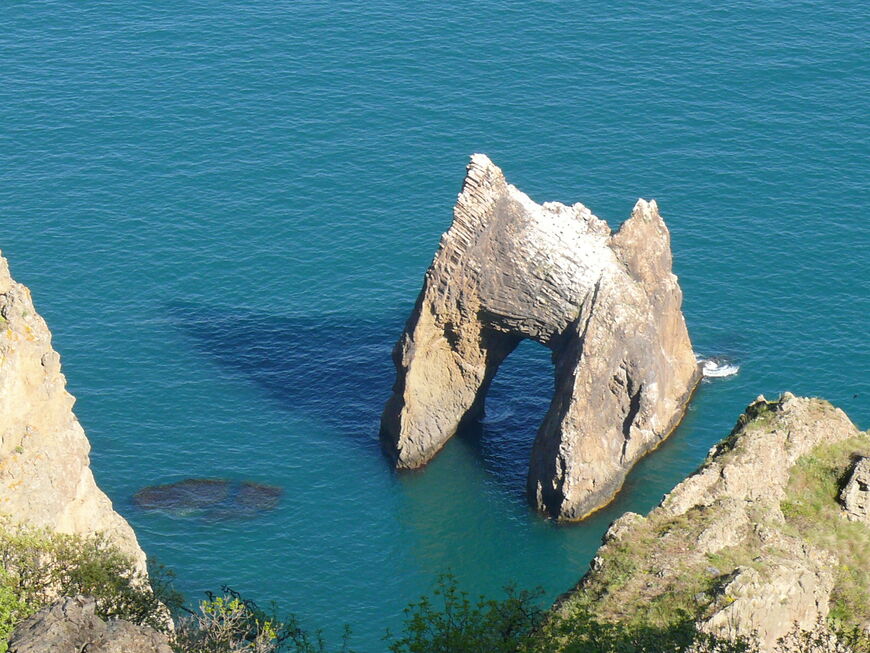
606	304
45	475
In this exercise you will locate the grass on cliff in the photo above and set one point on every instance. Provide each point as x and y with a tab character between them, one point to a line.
653	576
813	510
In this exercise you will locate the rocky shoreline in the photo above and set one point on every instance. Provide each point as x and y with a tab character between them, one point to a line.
772	533
755	544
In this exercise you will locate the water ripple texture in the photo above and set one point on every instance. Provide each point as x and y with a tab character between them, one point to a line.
225	210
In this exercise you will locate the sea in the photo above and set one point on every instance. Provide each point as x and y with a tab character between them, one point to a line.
224	211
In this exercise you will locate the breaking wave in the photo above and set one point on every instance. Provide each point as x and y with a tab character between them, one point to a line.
717	367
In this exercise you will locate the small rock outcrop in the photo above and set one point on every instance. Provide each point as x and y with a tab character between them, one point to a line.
754	544
45	478
606	304
71	625
856	493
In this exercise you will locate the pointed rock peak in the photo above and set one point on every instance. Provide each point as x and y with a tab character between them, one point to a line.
481	173
643	243
645	210
480	160
509	269
645	219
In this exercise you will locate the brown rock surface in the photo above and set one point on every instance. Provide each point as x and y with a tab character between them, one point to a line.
70	625
45	478
752	544
856	493
607	305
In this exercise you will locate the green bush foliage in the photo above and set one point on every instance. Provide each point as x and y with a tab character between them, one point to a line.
450	622
453	622
230	623
39	566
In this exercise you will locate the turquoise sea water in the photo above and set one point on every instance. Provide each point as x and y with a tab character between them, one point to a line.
225	210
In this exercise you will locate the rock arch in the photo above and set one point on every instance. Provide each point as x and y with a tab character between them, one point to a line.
606	304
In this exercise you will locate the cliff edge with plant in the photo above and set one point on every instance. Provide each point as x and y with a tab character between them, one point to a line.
769	539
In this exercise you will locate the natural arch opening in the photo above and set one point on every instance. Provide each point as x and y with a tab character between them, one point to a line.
513	408
606	304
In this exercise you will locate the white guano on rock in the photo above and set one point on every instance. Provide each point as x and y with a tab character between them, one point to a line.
606	304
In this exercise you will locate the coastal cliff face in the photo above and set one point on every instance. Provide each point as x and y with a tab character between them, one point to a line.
756	543
45	478
606	304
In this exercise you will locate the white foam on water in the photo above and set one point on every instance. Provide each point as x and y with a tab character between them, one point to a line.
716	367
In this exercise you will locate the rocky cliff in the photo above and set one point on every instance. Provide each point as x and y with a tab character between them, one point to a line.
45	479
757	542
606	304
71	625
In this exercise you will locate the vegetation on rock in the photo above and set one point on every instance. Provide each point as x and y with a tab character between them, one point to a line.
40	566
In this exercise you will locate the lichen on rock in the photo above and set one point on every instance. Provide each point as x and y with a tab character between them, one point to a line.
606	304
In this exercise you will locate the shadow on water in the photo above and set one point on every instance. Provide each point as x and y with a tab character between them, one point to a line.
515	406
338	369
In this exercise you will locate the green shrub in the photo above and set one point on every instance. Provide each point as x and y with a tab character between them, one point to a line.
230	623
454	623
37	566
41	565
12	609
451	623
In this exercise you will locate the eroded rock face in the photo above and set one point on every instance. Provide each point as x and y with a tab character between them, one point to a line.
606	304
856	493
45	478
70	624
741	539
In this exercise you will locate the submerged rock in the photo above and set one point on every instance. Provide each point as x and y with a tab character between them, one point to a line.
189	494
259	497
45	477
210	498
754	544
70	624
606	304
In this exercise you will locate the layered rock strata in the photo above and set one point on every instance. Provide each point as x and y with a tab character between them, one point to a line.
45	478
606	304
754	544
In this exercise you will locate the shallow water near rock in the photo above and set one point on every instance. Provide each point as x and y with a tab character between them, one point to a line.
225	215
